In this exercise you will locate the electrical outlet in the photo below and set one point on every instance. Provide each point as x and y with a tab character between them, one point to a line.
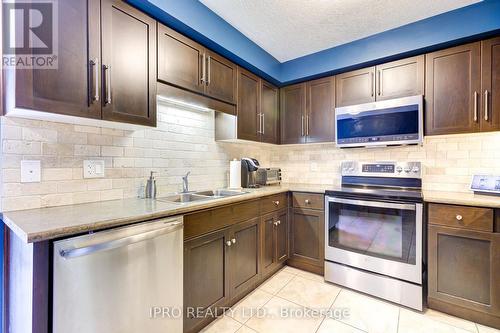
30	171
93	169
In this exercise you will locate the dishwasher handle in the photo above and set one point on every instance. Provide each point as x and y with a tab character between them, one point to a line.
119	242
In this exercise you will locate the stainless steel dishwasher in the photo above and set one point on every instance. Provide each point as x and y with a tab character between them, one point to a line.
122	280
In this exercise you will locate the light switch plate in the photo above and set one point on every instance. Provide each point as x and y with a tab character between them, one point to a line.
93	168
30	171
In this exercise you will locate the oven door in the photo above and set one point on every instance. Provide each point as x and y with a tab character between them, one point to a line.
378	236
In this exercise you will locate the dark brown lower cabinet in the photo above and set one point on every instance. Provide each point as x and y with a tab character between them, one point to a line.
464	273
274	243
206	275
244	257
307	239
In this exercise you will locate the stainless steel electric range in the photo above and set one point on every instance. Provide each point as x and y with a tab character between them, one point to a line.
374	231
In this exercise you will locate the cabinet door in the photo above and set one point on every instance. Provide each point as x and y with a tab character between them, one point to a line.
206	276
129	64
249	125
307	236
400	78
452	88
490	117
268	253
320	116
463	268
180	60
244	257
282	239
269	108
221	78
292	114
355	87
74	87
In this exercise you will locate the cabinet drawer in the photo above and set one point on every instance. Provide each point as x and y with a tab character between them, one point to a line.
461	217
273	203
308	200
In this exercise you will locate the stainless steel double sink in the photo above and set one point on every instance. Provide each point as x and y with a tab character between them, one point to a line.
200	196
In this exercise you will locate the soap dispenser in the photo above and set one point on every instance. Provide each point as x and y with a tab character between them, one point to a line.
151	187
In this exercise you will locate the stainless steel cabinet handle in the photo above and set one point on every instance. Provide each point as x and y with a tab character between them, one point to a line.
119	242
278	222
107	72
379	82
372	82
475	106
302	126
277	203
275	223
307	125
263	123
203	68
95	89
459	217
486	117
307	201
233	240
228	243
209	71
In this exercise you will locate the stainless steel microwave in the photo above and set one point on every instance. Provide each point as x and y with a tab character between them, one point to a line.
384	123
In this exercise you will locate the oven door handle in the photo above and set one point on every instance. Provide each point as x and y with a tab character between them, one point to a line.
373	203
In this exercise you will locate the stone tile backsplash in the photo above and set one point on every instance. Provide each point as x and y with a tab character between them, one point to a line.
184	141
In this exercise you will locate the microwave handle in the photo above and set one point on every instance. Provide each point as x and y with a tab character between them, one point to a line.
378	204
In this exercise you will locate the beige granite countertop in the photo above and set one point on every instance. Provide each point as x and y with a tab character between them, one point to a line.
48	223
35	225
462	198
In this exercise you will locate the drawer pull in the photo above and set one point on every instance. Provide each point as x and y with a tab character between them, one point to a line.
279	222
228	243
459	217
307	201
277	203
276	223
233	240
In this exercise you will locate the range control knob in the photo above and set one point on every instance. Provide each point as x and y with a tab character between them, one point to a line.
407	169
415	169
399	169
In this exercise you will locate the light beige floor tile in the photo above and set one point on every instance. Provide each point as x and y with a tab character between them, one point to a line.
245	329
313	294
367	313
274	318
414	322
486	329
292	270
223	325
333	326
249	305
311	276
451	320
276	282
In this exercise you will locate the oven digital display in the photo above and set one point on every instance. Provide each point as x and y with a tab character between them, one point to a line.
378	168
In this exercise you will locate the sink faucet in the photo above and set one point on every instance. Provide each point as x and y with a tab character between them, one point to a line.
185	184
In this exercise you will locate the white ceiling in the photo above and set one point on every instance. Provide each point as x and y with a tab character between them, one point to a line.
289	29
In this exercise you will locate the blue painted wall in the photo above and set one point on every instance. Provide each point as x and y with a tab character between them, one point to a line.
193	19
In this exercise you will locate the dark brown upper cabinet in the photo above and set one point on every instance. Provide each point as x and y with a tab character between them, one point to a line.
180	60
74	88
188	65
248	107
452	87
292	113
106	65
269	109
490	64
307	112
320	110
355	87
257	109
400	78
129	64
